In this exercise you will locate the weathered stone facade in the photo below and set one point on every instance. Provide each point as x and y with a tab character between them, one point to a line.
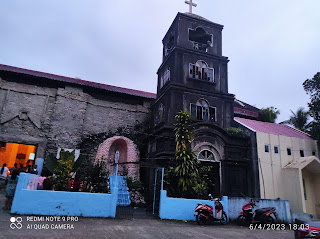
49	113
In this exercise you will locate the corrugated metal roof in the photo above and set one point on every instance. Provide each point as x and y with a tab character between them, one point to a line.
272	128
78	81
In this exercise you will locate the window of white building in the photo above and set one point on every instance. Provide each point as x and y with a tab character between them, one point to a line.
267	148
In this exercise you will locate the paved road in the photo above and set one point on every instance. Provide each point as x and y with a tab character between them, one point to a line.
133	229
91	228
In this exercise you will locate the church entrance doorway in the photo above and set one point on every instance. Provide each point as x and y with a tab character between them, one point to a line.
13	153
210	170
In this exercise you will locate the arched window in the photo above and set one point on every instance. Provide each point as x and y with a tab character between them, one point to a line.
165	77
202	111
206	155
201	71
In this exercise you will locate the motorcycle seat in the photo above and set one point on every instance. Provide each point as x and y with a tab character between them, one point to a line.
203	204
264	210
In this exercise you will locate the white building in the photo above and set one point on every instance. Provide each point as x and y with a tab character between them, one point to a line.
289	168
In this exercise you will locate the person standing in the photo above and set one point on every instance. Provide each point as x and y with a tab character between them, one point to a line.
3	175
28	170
34	170
15	167
21	169
10	189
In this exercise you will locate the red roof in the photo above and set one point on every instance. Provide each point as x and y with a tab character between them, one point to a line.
272	128
78	81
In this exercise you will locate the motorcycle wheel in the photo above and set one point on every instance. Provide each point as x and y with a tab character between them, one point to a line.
242	220
201	220
224	219
269	220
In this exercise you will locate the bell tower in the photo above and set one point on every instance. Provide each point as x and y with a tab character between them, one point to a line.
193	74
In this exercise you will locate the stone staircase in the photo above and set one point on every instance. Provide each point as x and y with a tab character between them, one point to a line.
123	190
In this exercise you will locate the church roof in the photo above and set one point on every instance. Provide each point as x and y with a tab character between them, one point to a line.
196	16
78	81
272	128
244	109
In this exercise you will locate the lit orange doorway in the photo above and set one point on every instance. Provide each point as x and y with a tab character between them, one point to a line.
11	153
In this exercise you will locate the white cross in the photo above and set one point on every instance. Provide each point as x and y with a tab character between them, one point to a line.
190	5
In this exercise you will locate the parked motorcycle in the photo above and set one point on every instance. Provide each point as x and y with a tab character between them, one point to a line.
261	215
205	213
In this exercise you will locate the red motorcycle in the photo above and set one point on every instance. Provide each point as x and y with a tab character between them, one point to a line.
205	213
261	215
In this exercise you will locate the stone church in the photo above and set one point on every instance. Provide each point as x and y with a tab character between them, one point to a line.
41	112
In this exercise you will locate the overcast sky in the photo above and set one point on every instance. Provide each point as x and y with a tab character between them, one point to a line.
273	46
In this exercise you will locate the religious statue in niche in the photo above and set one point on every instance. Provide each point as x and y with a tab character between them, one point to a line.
200	38
160	114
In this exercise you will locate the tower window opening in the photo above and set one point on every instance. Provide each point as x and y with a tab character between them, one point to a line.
165	77
202	111
201	71
200	38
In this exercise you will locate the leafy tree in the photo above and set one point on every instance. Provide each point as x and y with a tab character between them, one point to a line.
186	178
299	120
312	87
269	114
181	176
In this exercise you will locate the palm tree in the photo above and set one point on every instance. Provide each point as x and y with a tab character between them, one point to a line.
299	120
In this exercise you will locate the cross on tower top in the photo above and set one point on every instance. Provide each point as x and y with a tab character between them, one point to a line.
191	4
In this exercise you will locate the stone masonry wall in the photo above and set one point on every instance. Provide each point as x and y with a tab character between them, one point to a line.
59	117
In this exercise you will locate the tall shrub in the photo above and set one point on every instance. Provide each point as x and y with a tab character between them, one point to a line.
184	167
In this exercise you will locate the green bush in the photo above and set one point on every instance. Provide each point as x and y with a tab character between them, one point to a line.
235	131
63	168
136	191
95	178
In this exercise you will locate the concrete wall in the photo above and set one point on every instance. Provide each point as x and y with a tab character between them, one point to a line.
272	164
316	181
294	189
278	182
310	187
182	208
27	200
282	207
